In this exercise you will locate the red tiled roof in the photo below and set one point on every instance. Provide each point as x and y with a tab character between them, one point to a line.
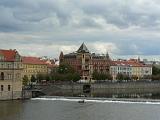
9	55
33	60
129	63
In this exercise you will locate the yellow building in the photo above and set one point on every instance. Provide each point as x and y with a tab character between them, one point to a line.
34	66
10	75
141	71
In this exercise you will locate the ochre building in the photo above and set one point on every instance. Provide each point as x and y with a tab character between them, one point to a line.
34	66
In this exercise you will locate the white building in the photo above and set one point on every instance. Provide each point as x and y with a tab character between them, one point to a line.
132	68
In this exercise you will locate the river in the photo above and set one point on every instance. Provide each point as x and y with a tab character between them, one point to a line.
70	109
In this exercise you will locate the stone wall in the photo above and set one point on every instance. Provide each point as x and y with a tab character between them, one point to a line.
8	95
103	89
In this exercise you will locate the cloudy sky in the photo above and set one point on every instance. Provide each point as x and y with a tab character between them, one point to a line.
46	27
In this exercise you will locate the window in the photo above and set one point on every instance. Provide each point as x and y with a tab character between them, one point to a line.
9	76
9	87
8	66
17	75
1	87
2	75
2	65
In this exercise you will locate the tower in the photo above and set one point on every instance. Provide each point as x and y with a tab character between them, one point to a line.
85	58
61	57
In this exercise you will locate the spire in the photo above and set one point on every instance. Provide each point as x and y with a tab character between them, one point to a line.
83	49
61	54
61	57
139	59
107	56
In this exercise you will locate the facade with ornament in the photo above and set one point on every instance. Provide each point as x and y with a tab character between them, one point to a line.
85	63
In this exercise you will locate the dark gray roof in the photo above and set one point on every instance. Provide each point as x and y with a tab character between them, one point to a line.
83	49
70	55
100	56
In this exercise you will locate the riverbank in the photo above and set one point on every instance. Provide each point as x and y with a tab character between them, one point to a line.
124	89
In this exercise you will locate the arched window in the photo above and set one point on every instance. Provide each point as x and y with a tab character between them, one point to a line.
9	87
2	75
1	87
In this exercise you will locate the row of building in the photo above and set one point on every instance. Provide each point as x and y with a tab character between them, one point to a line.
14	67
85	63
133	68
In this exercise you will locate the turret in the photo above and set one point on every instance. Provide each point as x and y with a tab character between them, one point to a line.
61	57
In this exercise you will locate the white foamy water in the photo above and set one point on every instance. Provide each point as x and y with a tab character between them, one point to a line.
100	101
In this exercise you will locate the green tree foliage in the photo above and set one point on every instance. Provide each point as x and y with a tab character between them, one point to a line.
65	68
65	73
155	73
147	77
121	76
101	76
134	77
155	77
155	70
25	80
76	77
33	78
48	77
41	77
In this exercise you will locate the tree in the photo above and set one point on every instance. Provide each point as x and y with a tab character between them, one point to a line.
25	80
65	73
101	76
65	68
119	76
134	77
109	76
48	77
126	77
155	70
76	77
155	73
40	77
95	75
146	77
33	78
155	77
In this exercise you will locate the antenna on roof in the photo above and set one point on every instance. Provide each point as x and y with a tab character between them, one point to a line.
107	55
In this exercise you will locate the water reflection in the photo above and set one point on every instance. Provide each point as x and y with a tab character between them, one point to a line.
130	95
72	110
10	109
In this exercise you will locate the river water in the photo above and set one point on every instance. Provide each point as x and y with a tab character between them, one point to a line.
70	109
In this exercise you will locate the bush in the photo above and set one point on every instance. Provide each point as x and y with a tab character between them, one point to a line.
101	76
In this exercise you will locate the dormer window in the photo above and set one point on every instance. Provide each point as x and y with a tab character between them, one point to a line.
17	57
1	57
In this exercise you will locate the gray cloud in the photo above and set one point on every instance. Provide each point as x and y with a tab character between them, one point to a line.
124	27
124	13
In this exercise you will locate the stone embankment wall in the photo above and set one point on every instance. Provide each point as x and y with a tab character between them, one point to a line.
9	95
102	89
